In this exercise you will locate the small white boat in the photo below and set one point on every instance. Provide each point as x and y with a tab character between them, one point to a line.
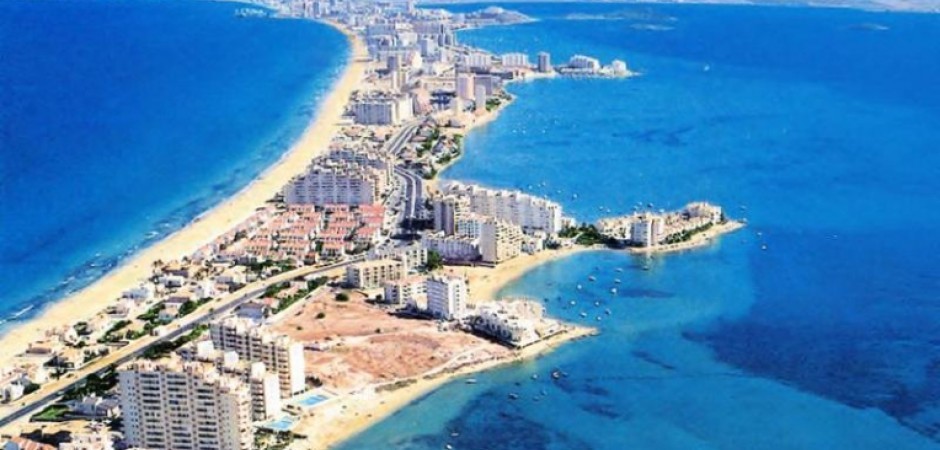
607	311
617	280
471	381
619	269
580	287
583	314
592	278
613	291
597	303
572	303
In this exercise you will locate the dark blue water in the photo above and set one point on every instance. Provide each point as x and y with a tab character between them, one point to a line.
121	121
821	132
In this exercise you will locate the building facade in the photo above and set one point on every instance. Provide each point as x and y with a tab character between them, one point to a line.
173	405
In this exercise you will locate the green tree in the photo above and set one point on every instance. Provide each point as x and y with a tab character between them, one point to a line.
435	261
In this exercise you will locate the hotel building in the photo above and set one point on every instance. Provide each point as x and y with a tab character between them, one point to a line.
173	405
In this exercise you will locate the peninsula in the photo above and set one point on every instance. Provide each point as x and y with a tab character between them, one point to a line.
342	283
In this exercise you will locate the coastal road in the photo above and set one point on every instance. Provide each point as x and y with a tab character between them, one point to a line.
50	392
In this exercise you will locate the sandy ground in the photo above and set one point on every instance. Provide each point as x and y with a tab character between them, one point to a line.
366	345
351	414
316	138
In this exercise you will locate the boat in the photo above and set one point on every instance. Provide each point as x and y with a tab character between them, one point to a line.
579	287
598	318
572	303
513	396
583	314
556	374
471	381
597	303
607	311
449	447
592	278
619	269
763	247
613	291
535	376
617	280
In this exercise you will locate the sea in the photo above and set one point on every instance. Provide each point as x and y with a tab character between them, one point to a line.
815	327
121	121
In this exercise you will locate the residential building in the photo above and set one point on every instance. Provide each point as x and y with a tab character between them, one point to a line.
383	109
448	296
372	274
515	60
336	182
545	62
515	322
531	213
448	209
172	405
280	354
405	291
452	248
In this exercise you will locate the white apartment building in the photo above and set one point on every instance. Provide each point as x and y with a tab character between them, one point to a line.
499	240
452	248
280	354
581	62
515	322
514	60
413	256
173	405
334	182
373	274
448	209
448	296
464	86
529	212
265	388
647	230
405	291
383	109
477	60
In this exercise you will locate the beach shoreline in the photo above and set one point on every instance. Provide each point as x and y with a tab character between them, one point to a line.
203	228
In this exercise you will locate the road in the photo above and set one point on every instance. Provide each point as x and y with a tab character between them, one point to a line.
50	392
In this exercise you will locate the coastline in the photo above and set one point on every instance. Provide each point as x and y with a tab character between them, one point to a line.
203	228
353	414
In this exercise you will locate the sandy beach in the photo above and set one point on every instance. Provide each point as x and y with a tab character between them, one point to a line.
100	294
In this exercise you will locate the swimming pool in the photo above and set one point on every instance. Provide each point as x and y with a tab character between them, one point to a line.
310	400
282	424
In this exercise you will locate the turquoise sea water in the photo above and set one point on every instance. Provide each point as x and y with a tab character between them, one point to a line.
818	127
122	121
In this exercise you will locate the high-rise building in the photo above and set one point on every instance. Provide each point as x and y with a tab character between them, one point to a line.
172	405
528	211
447	210
545	62
447	296
280	354
480	98
464	86
331	182
515	60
